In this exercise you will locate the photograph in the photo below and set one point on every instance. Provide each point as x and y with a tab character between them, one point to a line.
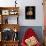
30	12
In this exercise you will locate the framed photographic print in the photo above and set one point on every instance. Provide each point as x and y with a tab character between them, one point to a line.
5	12
13	12
30	12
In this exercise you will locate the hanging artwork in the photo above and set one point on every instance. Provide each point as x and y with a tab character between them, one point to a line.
30	12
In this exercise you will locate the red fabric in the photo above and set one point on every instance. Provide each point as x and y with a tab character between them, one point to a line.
28	33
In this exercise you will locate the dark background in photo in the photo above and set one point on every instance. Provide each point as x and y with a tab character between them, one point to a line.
30	12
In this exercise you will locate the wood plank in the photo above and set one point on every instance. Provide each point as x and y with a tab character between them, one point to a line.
10	26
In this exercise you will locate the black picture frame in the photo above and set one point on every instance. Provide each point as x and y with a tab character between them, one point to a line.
30	12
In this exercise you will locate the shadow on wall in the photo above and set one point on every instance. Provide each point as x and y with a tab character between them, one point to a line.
37	29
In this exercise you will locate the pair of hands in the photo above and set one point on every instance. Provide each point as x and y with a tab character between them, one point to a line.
32	41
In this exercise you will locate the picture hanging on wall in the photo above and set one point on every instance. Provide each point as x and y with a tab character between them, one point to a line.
30	12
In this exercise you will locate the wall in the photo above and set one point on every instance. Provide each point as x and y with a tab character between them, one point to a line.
22	3
39	13
37	30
